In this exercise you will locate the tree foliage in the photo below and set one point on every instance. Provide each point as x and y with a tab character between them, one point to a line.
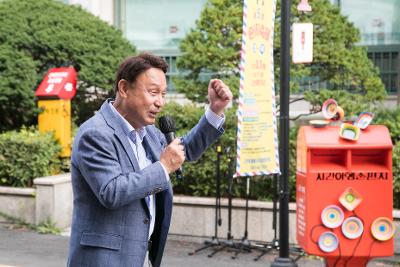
37	35
213	47
341	67
17	77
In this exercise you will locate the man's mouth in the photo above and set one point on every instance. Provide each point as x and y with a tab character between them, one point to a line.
153	114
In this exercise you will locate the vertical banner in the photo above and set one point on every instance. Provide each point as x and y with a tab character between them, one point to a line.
257	138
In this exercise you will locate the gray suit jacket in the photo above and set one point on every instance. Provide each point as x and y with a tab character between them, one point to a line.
110	221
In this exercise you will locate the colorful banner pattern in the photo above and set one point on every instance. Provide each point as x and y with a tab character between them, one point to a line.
257	142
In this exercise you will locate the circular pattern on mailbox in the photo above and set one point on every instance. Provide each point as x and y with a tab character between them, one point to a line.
352	228
328	242
332	216
382	229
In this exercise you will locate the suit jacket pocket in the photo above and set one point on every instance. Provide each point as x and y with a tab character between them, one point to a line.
102	240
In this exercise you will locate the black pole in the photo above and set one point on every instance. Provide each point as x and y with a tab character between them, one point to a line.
283	259
247	208
275	242
218	192
230	182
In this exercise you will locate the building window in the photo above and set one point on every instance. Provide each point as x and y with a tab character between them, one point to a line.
387	62
172	72
159	25
378	24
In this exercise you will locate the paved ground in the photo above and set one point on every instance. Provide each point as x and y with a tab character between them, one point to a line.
24	248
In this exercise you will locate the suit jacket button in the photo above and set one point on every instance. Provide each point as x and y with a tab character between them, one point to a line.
146	221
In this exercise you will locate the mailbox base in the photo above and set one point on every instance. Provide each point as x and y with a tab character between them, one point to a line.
346	261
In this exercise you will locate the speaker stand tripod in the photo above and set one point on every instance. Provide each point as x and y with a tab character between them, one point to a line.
244	246
214	242
229	244
274	244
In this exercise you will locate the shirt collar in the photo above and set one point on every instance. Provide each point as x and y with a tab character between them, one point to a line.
127	128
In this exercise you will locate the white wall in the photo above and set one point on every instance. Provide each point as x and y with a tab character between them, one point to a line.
101	8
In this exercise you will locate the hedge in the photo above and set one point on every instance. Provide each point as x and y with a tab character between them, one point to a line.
200	175
27	154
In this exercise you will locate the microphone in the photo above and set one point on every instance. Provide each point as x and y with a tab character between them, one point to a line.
167	127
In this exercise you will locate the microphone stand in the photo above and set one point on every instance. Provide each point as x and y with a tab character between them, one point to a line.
229	244
230	182
218	221
245	245
274	244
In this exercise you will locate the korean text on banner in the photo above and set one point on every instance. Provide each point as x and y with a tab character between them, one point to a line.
257	142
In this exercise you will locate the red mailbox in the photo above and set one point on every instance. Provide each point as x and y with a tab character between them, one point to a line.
55	93
344	195
59	83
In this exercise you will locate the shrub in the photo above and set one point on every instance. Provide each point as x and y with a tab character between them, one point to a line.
200	176
26	155
390	118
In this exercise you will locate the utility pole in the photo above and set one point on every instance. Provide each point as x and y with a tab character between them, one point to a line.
284	260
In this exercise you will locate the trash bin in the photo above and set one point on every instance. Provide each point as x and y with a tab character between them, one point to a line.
344	195
54	99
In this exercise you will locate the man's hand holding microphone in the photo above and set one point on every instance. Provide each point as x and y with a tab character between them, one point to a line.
173	156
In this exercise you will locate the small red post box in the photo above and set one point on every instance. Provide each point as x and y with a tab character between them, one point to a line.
55	93
59	83
344	195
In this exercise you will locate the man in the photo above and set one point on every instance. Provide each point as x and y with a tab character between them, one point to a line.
120	166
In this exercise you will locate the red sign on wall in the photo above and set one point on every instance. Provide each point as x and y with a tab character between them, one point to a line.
58	83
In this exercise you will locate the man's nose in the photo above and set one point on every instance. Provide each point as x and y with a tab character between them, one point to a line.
160	101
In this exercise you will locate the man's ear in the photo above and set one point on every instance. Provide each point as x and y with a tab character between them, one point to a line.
123	88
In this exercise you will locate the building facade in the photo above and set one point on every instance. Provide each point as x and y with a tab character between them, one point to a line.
379	25
158	26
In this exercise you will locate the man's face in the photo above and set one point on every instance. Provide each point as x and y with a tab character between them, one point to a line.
146	97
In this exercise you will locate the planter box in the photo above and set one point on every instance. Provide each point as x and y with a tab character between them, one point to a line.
195	216
18	202
192	216
51	199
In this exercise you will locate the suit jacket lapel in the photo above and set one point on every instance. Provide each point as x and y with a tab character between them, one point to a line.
128	149
111	120
151	148
119	133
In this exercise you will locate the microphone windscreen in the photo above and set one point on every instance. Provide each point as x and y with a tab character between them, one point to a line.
167	124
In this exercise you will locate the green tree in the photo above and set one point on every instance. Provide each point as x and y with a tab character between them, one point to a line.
17	77
213	47
37	35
